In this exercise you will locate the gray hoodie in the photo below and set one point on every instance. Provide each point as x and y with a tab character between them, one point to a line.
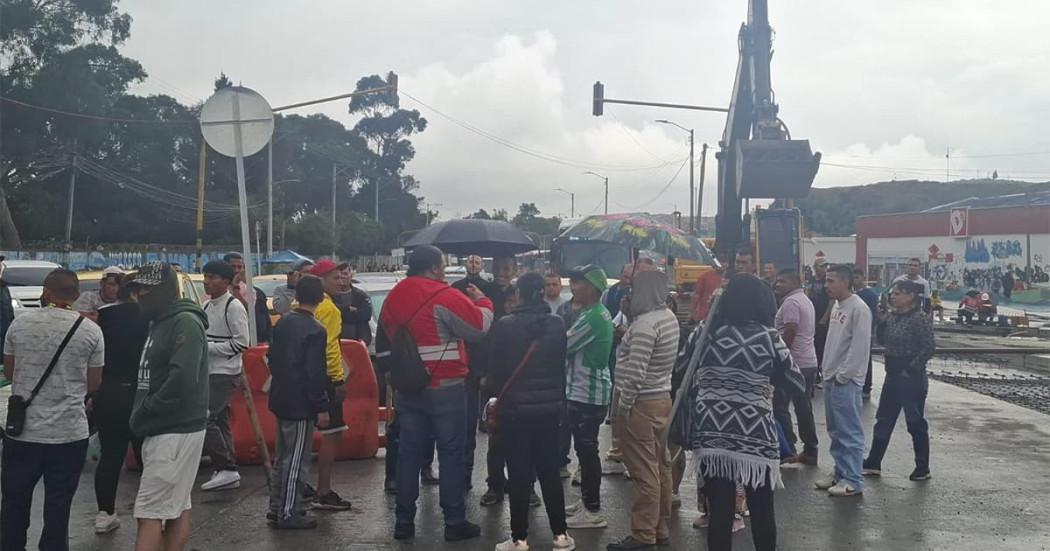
646	356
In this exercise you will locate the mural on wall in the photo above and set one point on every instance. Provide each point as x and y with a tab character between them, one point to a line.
89	260
1006	249
976	252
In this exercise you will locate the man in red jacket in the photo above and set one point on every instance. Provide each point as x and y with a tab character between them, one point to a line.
440	319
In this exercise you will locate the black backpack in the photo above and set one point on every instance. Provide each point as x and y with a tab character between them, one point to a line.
407	371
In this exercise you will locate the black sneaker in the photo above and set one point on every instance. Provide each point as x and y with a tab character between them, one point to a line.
491	498
390	487
427	476
271	517
298	522
459	532
331	502
309	493
630	544
919	475
663	542
404	531
534	499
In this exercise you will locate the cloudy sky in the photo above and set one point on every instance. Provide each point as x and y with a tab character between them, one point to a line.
882	89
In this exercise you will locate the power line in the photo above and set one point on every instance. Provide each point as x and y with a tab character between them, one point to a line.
527	151
665	188
89	116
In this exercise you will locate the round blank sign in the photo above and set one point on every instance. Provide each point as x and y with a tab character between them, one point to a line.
237	109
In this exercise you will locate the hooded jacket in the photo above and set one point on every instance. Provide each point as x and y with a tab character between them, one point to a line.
539	389
646	356
173	374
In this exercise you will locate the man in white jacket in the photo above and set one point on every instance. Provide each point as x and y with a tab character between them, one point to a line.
228	338
845	365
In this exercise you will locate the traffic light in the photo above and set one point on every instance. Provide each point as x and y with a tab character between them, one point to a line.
599	99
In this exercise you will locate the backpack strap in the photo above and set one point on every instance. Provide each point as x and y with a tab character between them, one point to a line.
54	359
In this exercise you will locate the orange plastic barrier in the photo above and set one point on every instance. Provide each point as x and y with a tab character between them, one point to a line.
360	409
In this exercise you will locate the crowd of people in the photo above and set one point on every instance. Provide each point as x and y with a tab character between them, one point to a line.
506	356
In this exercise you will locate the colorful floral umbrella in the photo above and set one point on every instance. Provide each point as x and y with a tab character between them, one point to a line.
643	232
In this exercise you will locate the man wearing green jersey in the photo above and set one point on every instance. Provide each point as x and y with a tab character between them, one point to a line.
588	388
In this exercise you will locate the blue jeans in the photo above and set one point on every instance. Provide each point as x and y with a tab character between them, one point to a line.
441	412
23	465
842	405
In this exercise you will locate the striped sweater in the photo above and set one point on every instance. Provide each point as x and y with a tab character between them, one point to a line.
646	357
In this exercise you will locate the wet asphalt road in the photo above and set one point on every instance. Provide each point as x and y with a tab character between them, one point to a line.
991	490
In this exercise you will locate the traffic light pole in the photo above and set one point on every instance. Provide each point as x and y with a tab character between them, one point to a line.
599	101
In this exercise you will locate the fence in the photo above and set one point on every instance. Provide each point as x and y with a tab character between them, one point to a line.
129	258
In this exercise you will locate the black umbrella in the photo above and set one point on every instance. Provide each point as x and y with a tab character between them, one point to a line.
473	236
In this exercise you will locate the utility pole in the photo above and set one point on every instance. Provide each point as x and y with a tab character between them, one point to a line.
692	218
428	210
947	164
377	201
333	211
700	195
201	169
572	201
606	195
269	200
72	193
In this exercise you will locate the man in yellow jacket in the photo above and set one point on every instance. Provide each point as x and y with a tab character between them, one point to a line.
328	315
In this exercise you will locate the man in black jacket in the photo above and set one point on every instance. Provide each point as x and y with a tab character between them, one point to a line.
298	399
356	307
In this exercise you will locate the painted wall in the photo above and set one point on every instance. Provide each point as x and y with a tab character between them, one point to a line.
88	260
971	261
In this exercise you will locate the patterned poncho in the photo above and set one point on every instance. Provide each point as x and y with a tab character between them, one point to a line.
732	431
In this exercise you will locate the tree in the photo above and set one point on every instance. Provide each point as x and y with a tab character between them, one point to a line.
529	219
386	129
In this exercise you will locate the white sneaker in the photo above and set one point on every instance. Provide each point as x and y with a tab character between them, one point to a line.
576	478
613	467
574	508
222	480
586	519
513	545
564	472
564	542
825	483
843	489
106	523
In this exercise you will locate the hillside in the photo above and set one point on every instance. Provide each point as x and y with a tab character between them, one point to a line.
832	211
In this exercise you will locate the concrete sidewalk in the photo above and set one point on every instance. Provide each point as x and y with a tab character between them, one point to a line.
990	459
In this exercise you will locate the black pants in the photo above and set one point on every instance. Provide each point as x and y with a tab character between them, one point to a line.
721	497
583	422
24	463
113	405
532	452
807	428
867	378
496	458
473	416
908	393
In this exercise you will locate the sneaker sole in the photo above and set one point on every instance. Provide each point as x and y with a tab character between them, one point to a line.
849	494
230	486
594	526
920	478
106	530
323	507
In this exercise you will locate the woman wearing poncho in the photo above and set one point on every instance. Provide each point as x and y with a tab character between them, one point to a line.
732	431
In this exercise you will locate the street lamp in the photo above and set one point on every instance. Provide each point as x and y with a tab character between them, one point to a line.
606	178
572	201
692	223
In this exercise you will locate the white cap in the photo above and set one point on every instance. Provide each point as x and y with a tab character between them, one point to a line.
112	270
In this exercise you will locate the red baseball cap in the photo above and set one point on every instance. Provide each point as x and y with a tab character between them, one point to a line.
325	266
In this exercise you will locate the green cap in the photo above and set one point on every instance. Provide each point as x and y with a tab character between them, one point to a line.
593	274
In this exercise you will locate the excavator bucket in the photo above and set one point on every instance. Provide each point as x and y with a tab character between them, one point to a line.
770	169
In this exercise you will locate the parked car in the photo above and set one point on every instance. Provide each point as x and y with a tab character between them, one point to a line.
25	280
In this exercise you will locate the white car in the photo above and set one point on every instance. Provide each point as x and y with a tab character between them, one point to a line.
25	281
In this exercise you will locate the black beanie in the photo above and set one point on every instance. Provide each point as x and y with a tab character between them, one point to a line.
423	258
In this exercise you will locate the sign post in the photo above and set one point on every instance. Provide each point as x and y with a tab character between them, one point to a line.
236	122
